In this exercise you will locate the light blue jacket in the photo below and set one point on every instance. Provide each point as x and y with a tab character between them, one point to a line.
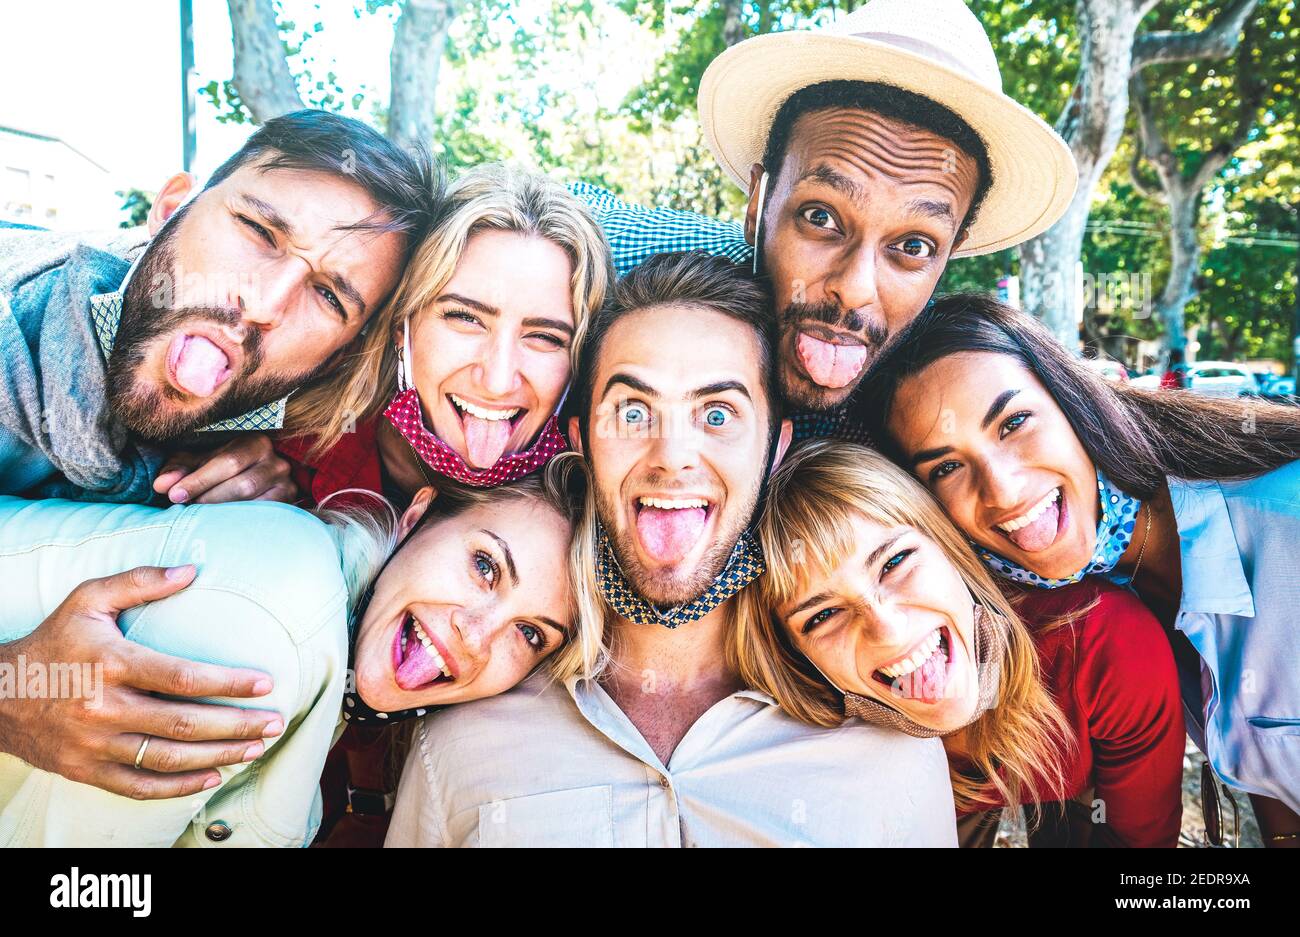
269	594
1240	608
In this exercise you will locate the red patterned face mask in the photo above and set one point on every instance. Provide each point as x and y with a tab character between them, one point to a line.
404	413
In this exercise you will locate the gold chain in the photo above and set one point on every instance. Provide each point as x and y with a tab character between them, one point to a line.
1146	535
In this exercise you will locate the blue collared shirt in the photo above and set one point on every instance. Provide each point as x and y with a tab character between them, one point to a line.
1240	609
636	233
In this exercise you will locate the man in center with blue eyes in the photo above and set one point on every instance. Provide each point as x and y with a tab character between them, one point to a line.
873	151
654	739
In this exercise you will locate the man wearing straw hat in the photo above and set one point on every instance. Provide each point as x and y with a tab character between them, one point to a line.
873	150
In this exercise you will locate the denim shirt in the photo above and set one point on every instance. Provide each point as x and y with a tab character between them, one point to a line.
1241	593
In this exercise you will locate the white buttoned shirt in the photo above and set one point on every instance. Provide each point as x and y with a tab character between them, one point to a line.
551	764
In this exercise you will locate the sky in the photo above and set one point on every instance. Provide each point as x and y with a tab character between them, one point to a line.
105	75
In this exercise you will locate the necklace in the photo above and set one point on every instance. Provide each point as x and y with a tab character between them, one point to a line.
1146	535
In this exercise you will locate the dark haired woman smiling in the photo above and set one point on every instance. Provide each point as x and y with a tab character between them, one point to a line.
1193	503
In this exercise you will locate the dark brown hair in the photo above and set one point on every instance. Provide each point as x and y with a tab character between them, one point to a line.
1137	437
685	278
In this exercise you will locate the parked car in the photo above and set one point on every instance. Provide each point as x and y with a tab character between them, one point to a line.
1278	387
1108	368
1220	379
1147	381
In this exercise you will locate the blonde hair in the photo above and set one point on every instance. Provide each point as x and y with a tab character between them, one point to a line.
588	656
806	527
367	538
490	197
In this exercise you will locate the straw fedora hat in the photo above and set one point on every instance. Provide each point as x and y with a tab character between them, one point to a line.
935	48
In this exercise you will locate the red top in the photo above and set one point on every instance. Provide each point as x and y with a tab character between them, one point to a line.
1112	673
352	462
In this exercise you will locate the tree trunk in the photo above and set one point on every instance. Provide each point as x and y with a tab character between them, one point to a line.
261	72
1182	188
419	41
1092	124
1184	263
733	27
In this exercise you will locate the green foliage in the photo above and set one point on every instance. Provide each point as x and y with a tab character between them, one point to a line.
136	203
509	90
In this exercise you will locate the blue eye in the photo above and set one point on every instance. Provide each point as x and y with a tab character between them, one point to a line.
633	414
894	561
1014	422
533	635
818	619
716	416
485	567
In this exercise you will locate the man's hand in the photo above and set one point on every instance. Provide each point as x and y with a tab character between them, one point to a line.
97	744
246	469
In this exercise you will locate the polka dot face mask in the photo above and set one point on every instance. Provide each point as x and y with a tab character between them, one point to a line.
1119	512
405	415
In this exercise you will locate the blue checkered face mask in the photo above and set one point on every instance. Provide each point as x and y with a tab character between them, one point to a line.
1119	512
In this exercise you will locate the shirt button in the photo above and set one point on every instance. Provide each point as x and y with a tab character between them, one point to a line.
664	782
218	831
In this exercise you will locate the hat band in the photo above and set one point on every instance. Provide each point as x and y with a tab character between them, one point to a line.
928	50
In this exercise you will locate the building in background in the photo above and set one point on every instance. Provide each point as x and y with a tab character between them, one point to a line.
48	183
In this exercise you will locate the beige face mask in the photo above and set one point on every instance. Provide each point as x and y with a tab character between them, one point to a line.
988	673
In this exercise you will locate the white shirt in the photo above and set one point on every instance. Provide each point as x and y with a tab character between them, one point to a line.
561	765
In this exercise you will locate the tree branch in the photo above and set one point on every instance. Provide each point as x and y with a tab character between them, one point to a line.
1214	42
1251	90
1151	144
419	40
261	72
733	27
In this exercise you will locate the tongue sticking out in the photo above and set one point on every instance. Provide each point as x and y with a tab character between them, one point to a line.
930	679
1038	535
200	366
417	668
828	364
668	535
485	439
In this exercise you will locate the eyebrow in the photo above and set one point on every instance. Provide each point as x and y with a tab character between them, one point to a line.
274	219
821	597
510	557
640	386
721	387
269	214
708	390
489	310
878	551
925	455
932	208
835	180
997	407
803	606
562	629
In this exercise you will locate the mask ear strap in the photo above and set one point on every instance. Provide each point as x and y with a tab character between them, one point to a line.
758	222
404	366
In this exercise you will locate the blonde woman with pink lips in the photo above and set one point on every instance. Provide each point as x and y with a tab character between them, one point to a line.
472	359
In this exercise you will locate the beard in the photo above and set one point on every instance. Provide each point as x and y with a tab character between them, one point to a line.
797	388
155	411
674	586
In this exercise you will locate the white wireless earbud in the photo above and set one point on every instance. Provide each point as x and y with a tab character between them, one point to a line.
758	221
405	377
